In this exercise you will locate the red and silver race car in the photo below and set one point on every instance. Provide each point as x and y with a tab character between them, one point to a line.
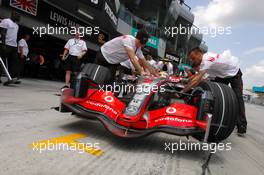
207	113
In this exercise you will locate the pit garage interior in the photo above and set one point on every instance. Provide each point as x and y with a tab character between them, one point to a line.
131	14
51	46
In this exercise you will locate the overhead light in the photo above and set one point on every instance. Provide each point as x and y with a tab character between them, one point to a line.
117	3
85	14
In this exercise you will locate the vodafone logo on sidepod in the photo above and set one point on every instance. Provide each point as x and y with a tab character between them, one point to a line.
109	99
171	110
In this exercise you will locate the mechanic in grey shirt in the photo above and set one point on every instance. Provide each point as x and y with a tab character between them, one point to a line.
123	48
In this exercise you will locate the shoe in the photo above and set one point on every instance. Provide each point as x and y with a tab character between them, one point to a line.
65	87
241	130
17	82
7	83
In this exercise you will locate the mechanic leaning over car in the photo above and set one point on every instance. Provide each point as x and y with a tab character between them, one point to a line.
123	48
222	69
74	50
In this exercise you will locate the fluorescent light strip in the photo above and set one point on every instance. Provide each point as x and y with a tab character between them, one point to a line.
85	14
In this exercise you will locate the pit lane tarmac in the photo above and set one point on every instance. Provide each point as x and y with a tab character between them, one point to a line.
26	117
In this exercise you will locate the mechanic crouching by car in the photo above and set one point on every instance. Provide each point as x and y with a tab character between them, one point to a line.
74	50
123	48
223	69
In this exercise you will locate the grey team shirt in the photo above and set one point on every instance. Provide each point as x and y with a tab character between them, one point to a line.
220	65
114	50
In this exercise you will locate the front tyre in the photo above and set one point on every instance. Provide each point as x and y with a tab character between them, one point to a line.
225	111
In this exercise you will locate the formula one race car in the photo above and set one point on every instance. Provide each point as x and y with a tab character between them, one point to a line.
207	113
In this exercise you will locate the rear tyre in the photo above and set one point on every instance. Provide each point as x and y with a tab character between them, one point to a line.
225	111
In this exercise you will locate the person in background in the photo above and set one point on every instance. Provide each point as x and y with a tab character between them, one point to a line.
166	66
151	61
74	51
2	40
220	68
33	63
8	46
23	52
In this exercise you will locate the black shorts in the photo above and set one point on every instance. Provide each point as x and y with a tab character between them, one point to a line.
72	63
10	53
100	60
